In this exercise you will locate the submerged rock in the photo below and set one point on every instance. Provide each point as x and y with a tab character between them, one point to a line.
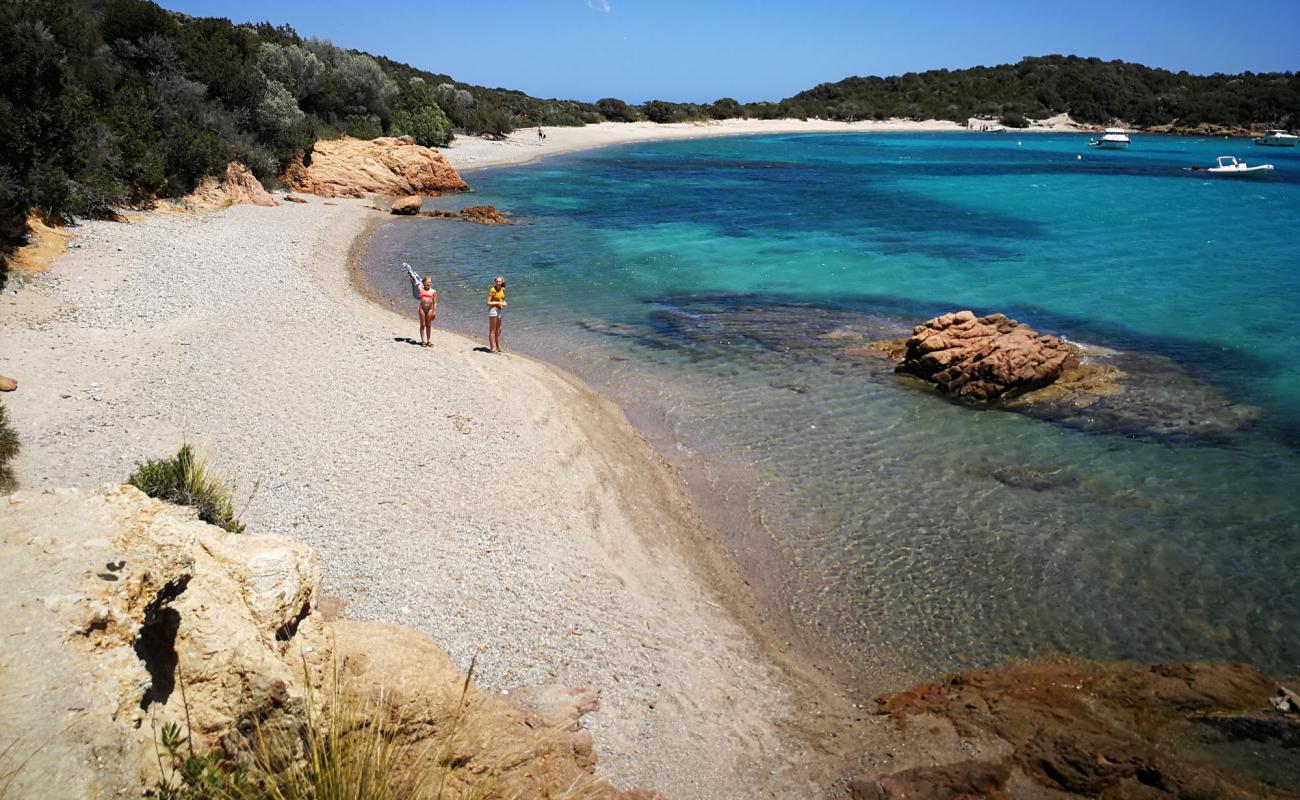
484	215
995	362
983	358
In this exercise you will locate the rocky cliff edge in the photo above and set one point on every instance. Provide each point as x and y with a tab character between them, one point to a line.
121	614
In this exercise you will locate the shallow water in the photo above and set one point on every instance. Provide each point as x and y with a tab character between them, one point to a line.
695	281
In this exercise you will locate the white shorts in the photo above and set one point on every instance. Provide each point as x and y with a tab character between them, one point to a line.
496	312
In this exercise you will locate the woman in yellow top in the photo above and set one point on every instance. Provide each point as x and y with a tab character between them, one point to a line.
496	303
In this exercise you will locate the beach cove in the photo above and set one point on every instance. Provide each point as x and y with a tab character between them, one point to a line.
491	502
382	456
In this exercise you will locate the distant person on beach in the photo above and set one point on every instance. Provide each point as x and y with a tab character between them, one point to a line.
428	309
496	303
541	137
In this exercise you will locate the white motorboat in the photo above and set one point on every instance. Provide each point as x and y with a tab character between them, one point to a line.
1111	139
1229	166
1278	138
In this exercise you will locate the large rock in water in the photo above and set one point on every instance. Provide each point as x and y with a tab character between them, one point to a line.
982	358
121	614
388	166
484	215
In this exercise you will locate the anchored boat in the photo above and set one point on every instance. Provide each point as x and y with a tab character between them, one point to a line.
1278	138
1111	139
1229	166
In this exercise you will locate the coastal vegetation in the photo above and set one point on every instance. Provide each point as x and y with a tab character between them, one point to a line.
112	103
185	480
1088	89
8	449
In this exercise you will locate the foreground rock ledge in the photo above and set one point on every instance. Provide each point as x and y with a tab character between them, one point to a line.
113	600
1104	730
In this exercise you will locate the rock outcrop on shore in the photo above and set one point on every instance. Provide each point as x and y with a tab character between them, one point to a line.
389	166
984	358
238	187
1105	730
122	613
407	206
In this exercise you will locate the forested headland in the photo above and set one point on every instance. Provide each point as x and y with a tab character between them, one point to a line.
112	103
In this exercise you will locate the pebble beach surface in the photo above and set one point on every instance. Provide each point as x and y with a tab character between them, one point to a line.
490	501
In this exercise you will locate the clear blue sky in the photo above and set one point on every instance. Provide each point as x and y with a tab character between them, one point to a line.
765	50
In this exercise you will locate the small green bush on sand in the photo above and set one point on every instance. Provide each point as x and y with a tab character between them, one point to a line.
8	449
184	480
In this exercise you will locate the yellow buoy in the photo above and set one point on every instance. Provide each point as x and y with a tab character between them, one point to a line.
1078	158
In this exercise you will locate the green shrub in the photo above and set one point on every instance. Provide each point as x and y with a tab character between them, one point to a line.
184	480
726	108
363	127
615	110
1014	119
8	449
427	125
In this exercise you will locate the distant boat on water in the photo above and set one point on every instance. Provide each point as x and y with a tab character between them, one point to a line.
1111	139
1230	167
1278	138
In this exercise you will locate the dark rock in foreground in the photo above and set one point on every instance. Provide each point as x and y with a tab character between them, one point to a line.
1187	730
983	358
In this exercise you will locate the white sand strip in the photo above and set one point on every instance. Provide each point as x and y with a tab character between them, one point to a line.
471	152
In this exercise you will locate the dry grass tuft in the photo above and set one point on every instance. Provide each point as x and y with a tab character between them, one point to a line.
185	480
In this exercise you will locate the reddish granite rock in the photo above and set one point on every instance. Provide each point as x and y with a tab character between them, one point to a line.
238	187
963	781
484	215
983	358
388	166
406	206
293	198
1114	730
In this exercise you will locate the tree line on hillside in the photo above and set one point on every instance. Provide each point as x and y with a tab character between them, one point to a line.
109	103
1089	89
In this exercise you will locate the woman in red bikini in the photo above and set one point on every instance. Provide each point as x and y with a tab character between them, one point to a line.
428	309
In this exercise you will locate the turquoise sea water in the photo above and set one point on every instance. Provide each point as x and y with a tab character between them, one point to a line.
697	281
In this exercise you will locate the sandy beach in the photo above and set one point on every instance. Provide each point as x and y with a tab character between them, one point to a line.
522	146
488	500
